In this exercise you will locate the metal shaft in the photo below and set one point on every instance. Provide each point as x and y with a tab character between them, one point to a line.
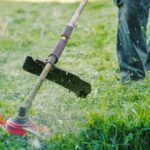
78	13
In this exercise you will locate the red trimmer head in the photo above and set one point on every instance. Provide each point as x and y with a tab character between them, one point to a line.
19	124
22	124
15	126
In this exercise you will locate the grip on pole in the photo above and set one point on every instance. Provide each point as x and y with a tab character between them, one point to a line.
59	47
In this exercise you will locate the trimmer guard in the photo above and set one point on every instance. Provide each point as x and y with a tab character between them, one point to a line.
64	78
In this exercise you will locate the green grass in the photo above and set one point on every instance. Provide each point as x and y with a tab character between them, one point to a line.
113	116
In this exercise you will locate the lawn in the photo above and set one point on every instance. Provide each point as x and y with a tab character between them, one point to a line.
113	116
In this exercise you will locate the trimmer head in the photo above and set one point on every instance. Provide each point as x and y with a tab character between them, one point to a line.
16	126
22	125
19	124
64	78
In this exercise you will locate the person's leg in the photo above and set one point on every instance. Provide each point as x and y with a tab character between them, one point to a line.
132	48
119	3
148	59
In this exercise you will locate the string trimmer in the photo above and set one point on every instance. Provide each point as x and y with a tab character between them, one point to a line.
47	70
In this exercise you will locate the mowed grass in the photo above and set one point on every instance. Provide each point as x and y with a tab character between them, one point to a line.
33	29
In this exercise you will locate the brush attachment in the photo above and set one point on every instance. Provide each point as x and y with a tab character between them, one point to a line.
59	76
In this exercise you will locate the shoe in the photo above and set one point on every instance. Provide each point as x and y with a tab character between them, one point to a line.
126	77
